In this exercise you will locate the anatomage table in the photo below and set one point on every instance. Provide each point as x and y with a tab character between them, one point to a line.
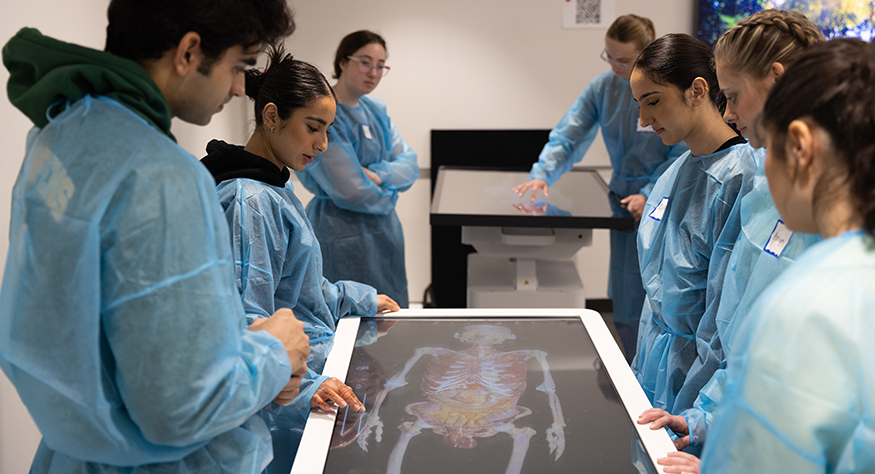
481	391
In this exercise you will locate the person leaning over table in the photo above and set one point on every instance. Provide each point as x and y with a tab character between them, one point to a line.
638	158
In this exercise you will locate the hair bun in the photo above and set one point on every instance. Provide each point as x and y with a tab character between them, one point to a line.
254	79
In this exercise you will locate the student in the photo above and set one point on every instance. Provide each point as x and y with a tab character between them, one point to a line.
120	324
277	257
689	224
750	57
799	397
357	180
638	158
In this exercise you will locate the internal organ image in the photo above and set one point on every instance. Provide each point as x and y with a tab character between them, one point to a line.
471	394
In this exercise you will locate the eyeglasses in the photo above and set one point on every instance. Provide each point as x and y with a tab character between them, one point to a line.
365	65
618	63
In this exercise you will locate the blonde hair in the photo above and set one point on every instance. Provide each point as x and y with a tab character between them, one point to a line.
764	38
632	29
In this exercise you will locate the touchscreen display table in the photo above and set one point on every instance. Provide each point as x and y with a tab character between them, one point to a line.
525	250
482	197
482	391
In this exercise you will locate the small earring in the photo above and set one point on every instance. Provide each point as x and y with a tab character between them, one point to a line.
271	129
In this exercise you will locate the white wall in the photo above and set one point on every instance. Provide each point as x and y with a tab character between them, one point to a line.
456	64
484	64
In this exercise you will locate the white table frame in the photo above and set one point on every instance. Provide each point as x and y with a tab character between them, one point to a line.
313	450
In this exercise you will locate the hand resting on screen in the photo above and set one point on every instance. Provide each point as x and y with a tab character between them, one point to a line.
338	392
534	185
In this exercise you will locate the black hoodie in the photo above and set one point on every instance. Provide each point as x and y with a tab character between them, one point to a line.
226	161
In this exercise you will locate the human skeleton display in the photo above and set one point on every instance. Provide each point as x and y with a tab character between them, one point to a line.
471	394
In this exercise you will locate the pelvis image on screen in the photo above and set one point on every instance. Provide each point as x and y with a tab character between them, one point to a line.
471	394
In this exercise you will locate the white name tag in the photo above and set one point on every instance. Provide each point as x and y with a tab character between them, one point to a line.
639	128
779	239
367	131
657	213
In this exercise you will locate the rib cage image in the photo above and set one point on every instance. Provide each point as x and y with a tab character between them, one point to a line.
471	394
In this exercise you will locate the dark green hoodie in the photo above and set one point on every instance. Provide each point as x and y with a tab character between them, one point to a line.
44	71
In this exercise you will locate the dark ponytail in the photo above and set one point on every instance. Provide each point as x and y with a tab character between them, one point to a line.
831	85
676	60
287	83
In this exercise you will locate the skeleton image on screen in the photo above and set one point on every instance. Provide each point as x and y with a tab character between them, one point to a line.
471	394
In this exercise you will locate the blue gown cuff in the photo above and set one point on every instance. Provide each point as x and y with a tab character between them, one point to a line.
697	426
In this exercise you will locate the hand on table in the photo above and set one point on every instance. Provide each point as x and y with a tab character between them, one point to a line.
634	203
386	305
679	462
660	418
534	185
338	392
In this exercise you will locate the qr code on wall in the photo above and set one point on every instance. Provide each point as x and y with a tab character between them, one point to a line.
588	12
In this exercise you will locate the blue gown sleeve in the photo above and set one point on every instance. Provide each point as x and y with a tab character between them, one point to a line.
700	417
570	139
340	176
796	399
402	170
349	298
228	372
299	409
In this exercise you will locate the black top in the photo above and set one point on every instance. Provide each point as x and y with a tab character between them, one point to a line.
736	140
227	161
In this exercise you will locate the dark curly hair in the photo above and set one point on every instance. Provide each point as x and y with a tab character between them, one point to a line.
142	30
831	85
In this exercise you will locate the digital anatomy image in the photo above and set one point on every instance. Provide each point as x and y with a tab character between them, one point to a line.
480	395
470	394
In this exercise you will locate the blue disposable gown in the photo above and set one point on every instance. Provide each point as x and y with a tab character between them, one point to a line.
638	158
750	270
801	389
684	256
120	324
354	219
279	265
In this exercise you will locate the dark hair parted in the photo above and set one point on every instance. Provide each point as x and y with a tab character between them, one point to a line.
632	29
144	30
352	43
677	60
287	83
831	85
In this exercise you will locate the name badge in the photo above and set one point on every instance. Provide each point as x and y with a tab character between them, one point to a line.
779	239
657	213
639	128
367	131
